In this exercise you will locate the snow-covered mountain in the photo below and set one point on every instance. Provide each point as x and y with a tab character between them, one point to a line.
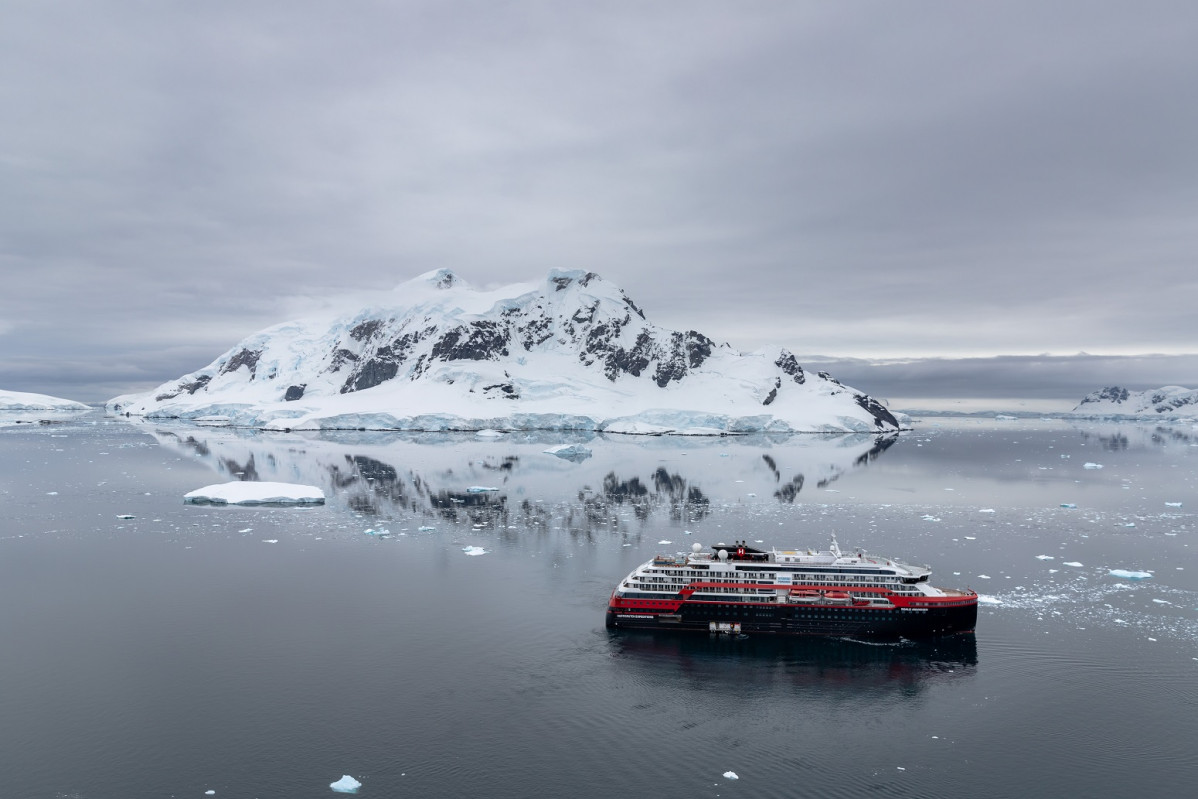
571	352
25	401
1113	401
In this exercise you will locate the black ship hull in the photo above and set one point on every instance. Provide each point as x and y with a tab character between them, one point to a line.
794	619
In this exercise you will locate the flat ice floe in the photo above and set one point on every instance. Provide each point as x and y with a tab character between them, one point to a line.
474	550
251	493
1127	574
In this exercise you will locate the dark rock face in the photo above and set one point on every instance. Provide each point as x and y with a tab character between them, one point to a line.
190	388
374	372
294	393
1113	394
242	358
478	341
773	395
881	415
789	365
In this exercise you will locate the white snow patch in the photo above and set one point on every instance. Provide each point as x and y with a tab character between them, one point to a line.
26	401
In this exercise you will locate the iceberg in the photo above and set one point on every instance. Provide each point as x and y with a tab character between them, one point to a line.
1128	574
731	775
346	784
252	493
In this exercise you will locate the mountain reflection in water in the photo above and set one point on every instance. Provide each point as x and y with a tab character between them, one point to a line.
499	483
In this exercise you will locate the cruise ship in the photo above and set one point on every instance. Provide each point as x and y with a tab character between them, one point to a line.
740	589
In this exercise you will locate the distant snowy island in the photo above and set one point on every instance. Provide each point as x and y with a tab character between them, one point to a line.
1114	402
24	401
572	352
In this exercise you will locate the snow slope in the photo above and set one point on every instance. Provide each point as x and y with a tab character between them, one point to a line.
573	352
24	401
1116	402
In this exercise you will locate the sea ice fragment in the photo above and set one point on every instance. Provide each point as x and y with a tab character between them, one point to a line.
346	784
1127	574
731	775
1093	466
474	550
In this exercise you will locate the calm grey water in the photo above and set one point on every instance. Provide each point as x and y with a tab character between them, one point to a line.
265	652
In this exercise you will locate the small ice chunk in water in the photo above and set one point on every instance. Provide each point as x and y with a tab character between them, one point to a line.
124	515
663	541
1173	504
1073	563
1068	505
480	489
1128	574
474	550
985	599
1093	466
731	775
346	784
1045	557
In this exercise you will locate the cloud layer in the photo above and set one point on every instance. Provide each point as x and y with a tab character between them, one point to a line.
870	180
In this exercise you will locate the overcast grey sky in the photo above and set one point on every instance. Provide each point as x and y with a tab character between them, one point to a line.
865	180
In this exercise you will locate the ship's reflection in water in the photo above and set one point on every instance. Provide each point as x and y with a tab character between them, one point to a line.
765	663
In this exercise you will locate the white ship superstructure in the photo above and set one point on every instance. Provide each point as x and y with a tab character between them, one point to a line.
740	588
